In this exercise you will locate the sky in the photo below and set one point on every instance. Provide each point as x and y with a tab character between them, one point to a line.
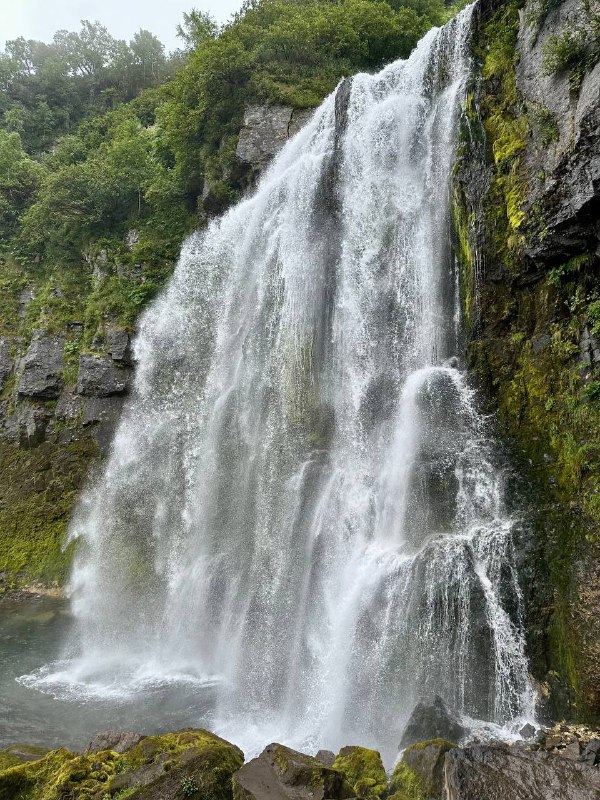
40	19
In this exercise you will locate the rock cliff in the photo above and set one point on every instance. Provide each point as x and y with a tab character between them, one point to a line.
526	200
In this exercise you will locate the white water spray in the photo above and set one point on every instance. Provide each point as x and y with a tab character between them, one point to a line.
301	510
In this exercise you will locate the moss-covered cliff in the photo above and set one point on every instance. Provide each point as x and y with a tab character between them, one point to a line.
526	197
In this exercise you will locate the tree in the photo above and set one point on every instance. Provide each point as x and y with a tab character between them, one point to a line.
196	28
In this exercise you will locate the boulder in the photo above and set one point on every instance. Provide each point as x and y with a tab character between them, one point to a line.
431	719
42	367
364	771
280	773
422	769
591	754
98	376
527	731
189	763
118	345
496	772
326	757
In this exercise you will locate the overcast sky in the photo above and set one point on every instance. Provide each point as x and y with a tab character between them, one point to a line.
40	19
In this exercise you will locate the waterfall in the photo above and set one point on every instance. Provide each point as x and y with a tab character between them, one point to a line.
302	513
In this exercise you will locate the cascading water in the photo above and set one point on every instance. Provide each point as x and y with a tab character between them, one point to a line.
302	510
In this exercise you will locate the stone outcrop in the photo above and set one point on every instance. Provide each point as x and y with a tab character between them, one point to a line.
499	773
189	763
6	361
421	770
265	131
431	719
526	201
46	406
280	773
43	364
99	376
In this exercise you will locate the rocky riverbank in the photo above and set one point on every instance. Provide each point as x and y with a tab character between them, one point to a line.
198	764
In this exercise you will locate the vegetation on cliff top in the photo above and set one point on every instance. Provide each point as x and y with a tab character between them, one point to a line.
98	137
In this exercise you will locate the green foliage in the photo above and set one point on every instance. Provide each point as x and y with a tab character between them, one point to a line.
48	88
557	274
20	177
576	49
189	787
545	122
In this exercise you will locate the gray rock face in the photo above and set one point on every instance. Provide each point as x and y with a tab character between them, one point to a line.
326	757
6	361
280	773
118	345
266	130
42	368
501	773
565	170
98	376
27	424
264	133
431	719
119	741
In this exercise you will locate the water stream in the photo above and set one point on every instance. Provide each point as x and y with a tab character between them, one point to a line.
302	519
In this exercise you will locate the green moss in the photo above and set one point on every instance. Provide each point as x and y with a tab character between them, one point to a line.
38	489
406	783
364	770
196	759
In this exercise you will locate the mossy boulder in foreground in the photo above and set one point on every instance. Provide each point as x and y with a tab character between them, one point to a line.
420	773
280	773
364	771
186	764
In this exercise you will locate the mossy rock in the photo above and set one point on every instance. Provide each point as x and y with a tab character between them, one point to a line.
364	771
189	763
420	773
18	754
38	490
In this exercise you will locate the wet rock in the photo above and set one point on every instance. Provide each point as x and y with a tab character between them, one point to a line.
431	719
102	415
6	361
280	773
117	741
118	345
541	343
300	118
527	731
25	297
31	422
500	773
42	367
132	237
326	757
422	766
98	376
364	771
591	754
